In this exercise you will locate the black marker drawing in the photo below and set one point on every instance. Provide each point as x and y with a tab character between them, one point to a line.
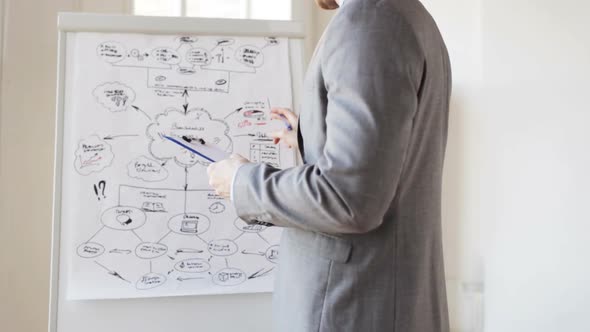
192	265
90	250
229	277
92	155
120	251
112	272
123	218
272	254
145	211
189	223
181	279
114	96
149	250
185	105
188	251
147	169
260	273
259	253
265	153
196	123
149	281
112	137
99	189
222	247
242	226
139	110
217	207
190	64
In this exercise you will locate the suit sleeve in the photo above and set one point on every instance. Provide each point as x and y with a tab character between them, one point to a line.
372	75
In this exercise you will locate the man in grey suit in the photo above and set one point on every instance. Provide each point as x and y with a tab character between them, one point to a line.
361	249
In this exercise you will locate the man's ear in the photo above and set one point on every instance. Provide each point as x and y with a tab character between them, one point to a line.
327	4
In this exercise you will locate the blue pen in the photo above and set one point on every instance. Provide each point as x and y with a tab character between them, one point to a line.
188	148
289	127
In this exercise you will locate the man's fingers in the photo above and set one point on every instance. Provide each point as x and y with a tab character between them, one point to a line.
291	117
277	134
236	156
276	116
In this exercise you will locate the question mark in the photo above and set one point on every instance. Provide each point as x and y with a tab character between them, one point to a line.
101	185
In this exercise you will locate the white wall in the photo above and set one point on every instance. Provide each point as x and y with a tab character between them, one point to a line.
516	177
460	22
537	69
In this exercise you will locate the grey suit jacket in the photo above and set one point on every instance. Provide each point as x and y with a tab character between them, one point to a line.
361	250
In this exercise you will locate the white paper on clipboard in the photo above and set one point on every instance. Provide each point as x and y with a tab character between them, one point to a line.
209	151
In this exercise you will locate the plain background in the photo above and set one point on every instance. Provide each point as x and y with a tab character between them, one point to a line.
516	214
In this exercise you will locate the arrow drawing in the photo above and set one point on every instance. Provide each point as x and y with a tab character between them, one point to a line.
120	251
112	137
188	251
185	279
185	105
260	253
112	272
259	273
234	112
141	111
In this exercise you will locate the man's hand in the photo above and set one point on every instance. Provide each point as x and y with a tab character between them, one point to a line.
222	172
288	137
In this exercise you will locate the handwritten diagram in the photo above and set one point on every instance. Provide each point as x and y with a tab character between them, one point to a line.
190	63
143	220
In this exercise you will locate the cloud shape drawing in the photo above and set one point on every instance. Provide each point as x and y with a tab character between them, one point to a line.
146	169
93	155
114	96
196	124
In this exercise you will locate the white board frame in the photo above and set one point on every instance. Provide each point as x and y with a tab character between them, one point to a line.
82	22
